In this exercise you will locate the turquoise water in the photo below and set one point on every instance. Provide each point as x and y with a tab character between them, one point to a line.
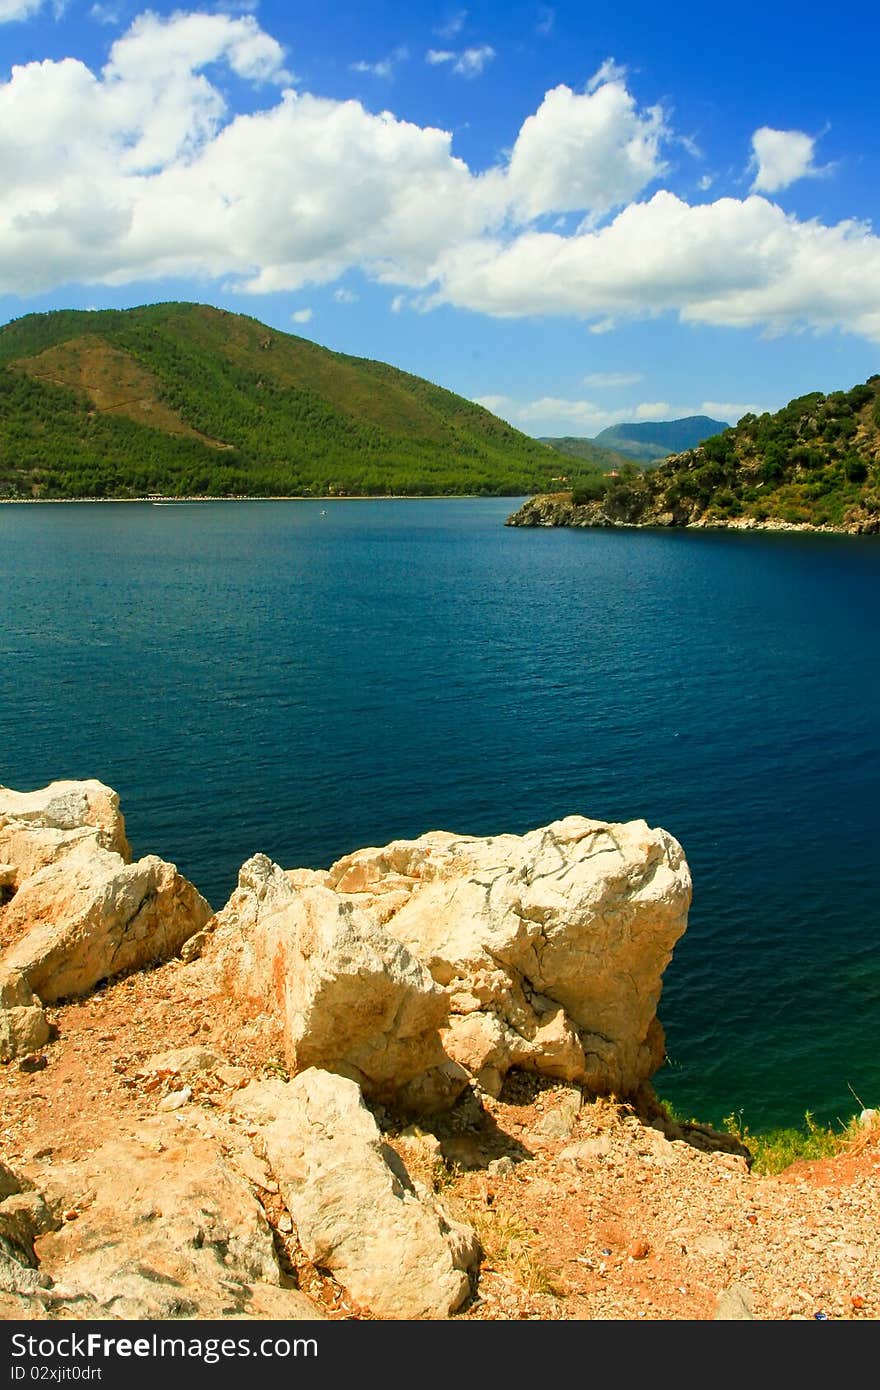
305	678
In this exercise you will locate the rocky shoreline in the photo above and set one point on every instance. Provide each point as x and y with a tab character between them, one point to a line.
559	509
415	1085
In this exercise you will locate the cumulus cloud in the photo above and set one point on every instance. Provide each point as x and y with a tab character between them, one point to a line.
344	296
609	71
781	157
585	151
734	263
140	171
435	56
302	315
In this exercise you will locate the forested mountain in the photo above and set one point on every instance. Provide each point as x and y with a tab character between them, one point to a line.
816	462
650	440
586	451
188	400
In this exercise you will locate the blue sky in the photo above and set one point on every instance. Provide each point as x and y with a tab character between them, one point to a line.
575	214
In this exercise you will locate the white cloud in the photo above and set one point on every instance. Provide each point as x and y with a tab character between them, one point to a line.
585	152
612	379
609	71
104	14
555	415
139	171
344	296
468	63
706	182
472	61
385	67
11	10
781	157
303	315
453	25
734	263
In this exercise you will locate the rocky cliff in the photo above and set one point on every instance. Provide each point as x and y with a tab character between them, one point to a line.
413	1085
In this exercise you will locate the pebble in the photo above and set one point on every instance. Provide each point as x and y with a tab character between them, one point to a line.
176	1099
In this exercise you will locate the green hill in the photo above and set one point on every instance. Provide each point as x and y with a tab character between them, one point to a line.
188	400
586	451
650	440
816	462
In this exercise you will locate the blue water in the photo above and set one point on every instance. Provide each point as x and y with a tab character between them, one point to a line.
305	678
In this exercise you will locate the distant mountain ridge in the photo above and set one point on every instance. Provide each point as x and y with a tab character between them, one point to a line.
649	440
645	441
185	399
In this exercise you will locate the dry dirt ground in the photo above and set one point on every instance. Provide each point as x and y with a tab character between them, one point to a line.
585	1208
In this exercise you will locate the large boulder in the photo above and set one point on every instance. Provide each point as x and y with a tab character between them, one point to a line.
90	916
344	994
41	827
153	1224
550	946
73	910
414	966
356	1210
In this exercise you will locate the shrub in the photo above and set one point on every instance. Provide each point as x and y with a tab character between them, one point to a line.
589	489
777	1149
856	469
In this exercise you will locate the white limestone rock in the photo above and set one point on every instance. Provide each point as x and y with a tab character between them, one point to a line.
348	996
551	945
89	916
24	1027
356	1210
40	827
164	1228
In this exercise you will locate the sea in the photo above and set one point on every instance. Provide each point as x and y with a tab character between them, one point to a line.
306	678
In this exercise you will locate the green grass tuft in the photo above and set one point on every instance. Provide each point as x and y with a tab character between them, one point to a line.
776	1149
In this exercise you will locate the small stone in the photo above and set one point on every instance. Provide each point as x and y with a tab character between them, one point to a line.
421	1141
35	1061
500	1167
587	1149
734	1305
233	1077
285	1224
193	947
176	1099
181	1060
639	1250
